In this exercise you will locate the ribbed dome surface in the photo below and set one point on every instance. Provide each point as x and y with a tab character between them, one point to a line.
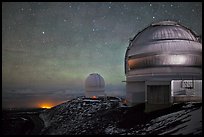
165	30
163	44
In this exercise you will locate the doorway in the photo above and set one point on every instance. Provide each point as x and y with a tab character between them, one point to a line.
158	94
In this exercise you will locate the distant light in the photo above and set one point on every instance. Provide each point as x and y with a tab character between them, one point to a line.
43	32
153	17
46	105
125	101
94	97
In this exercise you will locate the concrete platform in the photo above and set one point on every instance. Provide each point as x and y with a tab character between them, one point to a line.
183	98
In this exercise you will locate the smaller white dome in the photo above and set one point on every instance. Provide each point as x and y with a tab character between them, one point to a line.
94	82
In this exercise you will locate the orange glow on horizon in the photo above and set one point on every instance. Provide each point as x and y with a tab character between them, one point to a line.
46	106
48	103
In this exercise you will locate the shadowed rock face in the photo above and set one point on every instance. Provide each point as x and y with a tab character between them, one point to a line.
82	116
21	122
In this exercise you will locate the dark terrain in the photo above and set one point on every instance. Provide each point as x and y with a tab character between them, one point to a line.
21	122
82	116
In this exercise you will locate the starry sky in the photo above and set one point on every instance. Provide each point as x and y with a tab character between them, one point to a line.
49	48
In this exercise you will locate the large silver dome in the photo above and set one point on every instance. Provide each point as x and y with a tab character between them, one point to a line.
165	30
164	48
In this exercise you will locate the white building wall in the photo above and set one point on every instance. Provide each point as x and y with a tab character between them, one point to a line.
180	87
135	92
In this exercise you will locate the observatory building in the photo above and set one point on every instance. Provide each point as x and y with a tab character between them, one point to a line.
94	86
163	65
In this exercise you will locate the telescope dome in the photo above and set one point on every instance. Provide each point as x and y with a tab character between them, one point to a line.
94	82
164	47
164	30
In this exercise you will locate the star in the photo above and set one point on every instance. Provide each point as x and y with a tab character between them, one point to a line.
74	35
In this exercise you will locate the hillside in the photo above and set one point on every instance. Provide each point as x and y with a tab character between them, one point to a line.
99	116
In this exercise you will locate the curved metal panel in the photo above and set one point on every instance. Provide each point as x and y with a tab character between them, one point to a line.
163	45
165	60
166	46
163	31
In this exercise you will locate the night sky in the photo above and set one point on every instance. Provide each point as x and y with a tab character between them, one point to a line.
48	49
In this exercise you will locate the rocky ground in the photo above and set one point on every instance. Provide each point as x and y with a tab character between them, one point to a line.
84	116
